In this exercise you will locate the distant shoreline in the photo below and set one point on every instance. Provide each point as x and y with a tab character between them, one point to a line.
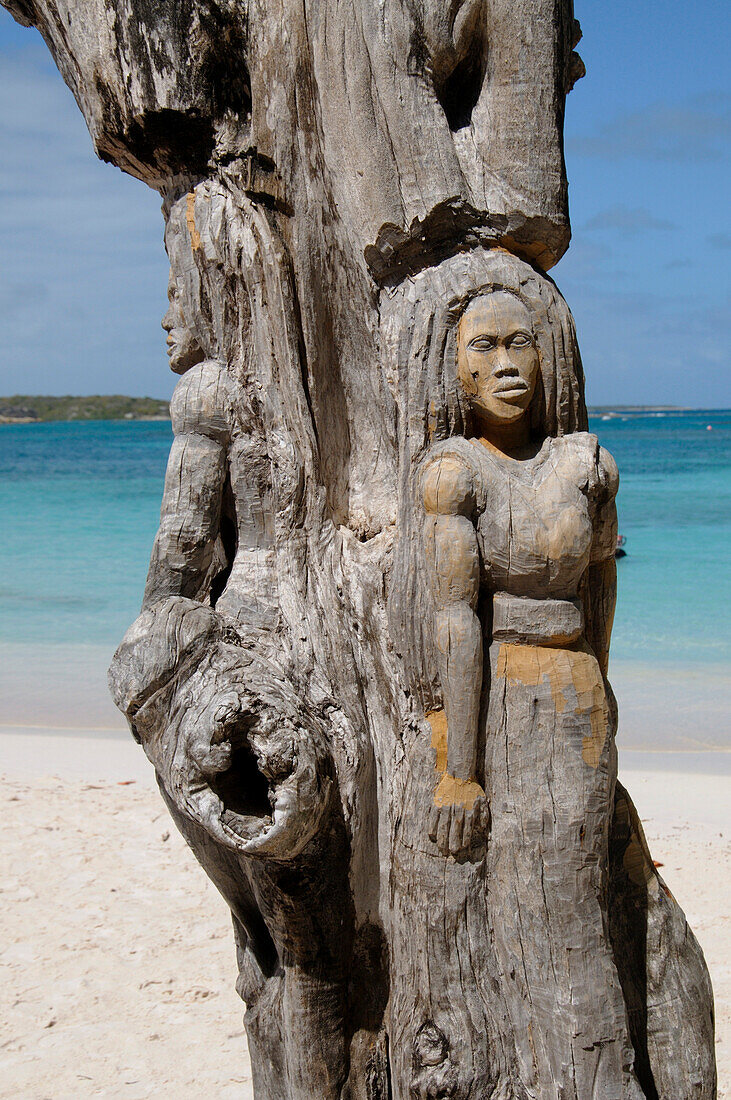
641	410
35	409
41	409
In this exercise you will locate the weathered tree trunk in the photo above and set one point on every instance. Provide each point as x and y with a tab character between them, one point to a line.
342	181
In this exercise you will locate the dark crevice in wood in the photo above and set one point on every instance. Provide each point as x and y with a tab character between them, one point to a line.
227	73
460	91
255	936
271	202
173	141
229	539
369	978
303	359
243	789
628	915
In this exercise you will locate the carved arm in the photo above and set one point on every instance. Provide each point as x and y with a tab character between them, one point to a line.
196	472
599	588
599	603
453	562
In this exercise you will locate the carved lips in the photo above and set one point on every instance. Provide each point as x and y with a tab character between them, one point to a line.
514	390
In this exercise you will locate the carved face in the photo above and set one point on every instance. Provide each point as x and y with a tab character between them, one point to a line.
183	348
497	358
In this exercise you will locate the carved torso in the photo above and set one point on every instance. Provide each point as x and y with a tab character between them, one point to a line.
539	521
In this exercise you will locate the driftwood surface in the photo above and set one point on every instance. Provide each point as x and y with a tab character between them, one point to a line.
371	663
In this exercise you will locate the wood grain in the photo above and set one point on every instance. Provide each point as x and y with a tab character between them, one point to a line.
371	663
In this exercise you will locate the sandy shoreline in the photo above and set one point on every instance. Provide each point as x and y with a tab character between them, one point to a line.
117	953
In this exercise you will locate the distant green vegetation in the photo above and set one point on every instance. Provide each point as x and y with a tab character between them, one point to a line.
634	410
27	409
23	408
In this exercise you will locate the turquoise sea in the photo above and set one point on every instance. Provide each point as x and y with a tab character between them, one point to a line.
79	505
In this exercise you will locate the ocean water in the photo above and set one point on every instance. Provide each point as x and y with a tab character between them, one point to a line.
670	660
79	506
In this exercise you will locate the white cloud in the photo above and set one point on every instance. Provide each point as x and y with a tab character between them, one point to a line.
698	129
629	221
83	278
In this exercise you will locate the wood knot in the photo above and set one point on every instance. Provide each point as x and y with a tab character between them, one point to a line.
430	1046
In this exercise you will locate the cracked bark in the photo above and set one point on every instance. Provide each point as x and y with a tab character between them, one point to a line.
338	181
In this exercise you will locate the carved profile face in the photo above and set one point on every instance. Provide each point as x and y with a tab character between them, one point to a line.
497	357
184	350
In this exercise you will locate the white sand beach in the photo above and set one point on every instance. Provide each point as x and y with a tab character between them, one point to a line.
117	954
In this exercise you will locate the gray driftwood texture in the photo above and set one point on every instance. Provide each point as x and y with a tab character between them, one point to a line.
370	667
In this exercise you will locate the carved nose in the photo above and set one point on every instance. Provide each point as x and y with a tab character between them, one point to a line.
504	366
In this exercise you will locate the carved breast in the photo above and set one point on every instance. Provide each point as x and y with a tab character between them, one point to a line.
535	530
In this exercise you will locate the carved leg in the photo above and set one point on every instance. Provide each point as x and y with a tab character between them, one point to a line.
551	769
293	931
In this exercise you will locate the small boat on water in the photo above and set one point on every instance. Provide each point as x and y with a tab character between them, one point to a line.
619	550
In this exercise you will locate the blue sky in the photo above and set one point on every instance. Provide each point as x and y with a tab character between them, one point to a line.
84	272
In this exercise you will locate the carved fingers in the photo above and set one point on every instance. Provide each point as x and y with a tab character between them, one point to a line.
460	830
476	825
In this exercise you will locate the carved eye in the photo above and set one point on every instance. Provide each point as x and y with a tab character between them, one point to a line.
521	340
482	343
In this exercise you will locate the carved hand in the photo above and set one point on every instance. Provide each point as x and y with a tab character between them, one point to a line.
460	817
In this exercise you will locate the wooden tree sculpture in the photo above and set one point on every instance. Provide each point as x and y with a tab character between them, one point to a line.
370	667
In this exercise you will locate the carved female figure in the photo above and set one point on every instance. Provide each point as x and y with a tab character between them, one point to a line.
206	676
518	524
518	986
519	530
347	335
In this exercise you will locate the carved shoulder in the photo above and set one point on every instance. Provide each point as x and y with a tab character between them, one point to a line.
608	475
596	466
605	509
448	487
203	401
